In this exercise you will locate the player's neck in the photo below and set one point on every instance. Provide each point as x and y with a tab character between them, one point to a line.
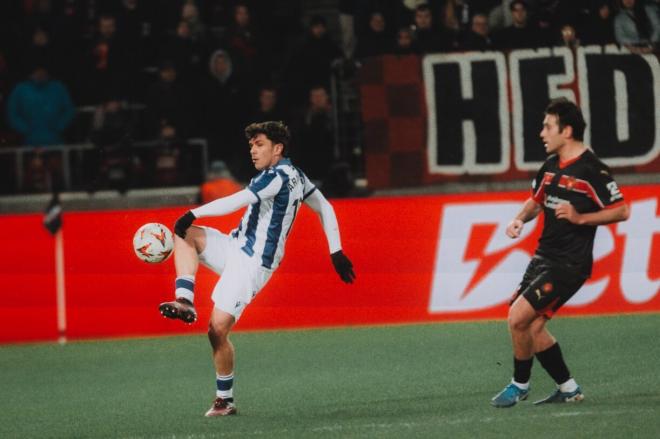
571	150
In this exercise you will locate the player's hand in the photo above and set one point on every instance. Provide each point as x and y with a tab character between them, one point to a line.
343	266
514	228
567	211
183	223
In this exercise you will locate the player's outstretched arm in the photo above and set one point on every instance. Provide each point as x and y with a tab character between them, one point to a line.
221	206
320	205
604	216
529	211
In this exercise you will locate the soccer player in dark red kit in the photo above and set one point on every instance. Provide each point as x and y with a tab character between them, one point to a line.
576	193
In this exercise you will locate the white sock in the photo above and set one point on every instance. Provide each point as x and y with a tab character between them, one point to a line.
184	286
569	386
225	386
523	386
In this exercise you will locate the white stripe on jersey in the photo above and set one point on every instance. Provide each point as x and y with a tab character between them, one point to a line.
265	225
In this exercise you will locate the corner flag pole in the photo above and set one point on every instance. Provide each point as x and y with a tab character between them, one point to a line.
60	287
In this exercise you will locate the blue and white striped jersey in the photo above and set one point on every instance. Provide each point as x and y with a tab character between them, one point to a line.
262	232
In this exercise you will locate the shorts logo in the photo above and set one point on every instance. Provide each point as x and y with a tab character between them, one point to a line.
547	287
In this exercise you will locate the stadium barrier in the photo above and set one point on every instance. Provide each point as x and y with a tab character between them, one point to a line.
14	162
417	259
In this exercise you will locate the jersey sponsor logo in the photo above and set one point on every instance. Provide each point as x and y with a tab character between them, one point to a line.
552	201
478	267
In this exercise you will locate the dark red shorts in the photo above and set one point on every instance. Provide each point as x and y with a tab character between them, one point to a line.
547	285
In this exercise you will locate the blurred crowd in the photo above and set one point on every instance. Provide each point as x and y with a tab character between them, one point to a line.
172	70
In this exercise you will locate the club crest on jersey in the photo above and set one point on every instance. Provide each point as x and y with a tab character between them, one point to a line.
570	182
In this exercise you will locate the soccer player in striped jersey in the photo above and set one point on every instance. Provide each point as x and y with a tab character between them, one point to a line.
576	193
247	257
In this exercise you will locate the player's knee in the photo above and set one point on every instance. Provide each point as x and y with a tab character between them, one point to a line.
195	238
517	323
218	331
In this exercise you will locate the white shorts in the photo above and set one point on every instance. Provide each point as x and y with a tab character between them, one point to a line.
240	277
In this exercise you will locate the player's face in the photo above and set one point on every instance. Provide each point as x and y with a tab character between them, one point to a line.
264	152
553	137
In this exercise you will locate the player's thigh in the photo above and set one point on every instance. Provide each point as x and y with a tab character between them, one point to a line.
197	237
216	249
239	284
551	288
521	314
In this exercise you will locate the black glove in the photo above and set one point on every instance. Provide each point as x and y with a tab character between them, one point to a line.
343	266
182	224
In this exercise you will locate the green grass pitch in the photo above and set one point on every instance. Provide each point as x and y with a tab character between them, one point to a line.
412	381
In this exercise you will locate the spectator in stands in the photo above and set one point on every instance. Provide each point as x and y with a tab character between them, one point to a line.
110	162
376	40
500	16
242	41
428	37
310	61
188	55
637	26
455	20
478	36
170	103
134	26
268	107
456	15
599	27
521	34
405	43
314	150
39	47
111	123
166	166
568	37
40	108
190	13
106	63
226	99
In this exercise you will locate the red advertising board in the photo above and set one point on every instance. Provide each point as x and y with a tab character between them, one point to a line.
417	259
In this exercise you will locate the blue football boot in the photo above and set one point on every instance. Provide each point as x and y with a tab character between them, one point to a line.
558	396
509	396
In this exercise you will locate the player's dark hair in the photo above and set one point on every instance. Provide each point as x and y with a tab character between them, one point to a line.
568	114
275	131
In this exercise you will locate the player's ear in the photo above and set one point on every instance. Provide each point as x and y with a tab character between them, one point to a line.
279	148
567	132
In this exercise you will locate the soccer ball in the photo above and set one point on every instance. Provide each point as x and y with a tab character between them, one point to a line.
153	243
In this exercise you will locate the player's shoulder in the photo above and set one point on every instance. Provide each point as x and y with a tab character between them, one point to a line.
264	178
551	162
594	163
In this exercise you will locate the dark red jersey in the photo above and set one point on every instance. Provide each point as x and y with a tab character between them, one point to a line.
587	184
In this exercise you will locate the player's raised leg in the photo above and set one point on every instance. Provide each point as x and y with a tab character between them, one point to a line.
521	319
223	359
186	262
